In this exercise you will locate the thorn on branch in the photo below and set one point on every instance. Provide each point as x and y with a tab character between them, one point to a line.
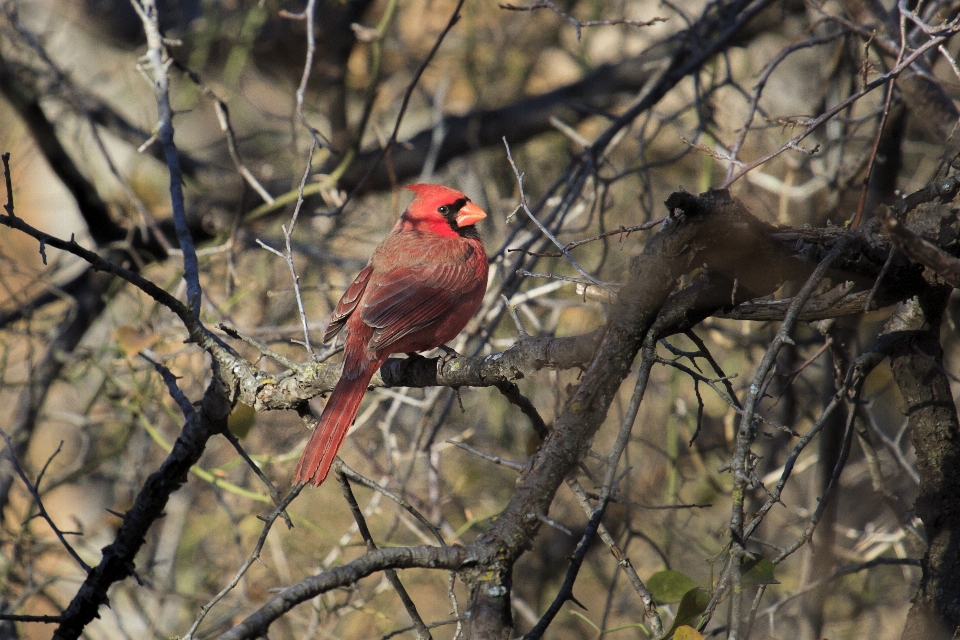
171	381
565	593
6	176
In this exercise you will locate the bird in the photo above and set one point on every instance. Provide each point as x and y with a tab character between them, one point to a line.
423	283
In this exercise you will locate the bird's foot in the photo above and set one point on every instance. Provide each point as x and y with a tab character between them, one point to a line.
449	354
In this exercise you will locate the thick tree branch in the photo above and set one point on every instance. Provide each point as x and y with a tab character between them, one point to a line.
117	562
450	558
918	248
685	239
917	365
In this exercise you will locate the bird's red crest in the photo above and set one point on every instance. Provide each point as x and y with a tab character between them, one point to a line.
430	192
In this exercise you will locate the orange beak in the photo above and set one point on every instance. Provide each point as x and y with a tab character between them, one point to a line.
470	214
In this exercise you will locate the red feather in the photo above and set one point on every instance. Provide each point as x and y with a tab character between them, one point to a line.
422	285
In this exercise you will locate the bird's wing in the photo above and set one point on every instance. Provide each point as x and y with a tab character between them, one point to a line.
348	303
407	299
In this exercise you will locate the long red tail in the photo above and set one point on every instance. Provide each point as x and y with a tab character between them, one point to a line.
332	427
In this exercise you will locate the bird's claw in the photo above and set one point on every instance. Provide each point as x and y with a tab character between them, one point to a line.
449	354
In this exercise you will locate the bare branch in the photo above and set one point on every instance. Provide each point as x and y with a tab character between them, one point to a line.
815	123
422	631
746	433
118	558
254	557
256	625
39	502
920	249
577	24
156	53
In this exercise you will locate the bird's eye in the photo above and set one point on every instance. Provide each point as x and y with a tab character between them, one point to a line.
444	210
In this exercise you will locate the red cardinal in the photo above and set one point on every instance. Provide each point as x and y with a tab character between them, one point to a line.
422	285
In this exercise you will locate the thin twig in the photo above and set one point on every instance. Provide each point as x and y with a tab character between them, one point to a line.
422	632
754	106
509	464
253	557
651	507
233	332
740	463
606	286
308	16
341	466
607	489
565	593
288	256
918	248
156	54
191	323
622	231
839	573
623	561
872	160
223	118
834	479
36	497
578	24
274	492
540	225
404	103
457	620
893	445
172	388
868	305
814	124
706	355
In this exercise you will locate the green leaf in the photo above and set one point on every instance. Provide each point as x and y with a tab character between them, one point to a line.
692	605
668	587
758	570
